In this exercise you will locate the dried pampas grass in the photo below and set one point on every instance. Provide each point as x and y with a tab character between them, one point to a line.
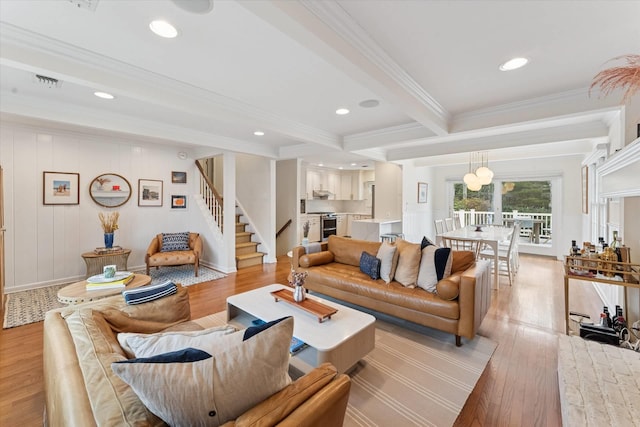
109	221
620	77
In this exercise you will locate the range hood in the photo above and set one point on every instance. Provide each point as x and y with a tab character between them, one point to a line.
322	194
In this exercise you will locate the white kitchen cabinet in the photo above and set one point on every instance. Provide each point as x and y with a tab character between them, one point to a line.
333	184
314	228
342	221
346	191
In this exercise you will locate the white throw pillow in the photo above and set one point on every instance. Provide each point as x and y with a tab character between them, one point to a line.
193	388
147	345
388	255
435	265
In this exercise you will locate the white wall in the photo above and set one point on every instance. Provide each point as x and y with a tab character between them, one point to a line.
255	192
631	238
417	218
288	206
388	179
43	242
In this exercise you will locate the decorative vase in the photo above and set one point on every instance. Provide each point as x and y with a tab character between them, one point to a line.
305	241
108	240
298	293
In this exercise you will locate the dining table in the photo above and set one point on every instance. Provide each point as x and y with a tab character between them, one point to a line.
490	235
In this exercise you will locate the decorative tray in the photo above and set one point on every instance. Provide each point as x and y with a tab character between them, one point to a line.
99	278
321	311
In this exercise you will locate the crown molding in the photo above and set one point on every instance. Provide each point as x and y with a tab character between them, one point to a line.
20	45
338	20
388	135
38	112
588	131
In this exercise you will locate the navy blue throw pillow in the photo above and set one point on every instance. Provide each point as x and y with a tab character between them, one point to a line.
255	330
440	259
426	242
370	265
186	355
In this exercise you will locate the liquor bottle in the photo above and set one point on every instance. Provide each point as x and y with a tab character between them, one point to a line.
603	320
614	241
605	309
575	250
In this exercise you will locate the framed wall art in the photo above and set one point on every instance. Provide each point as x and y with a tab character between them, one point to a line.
585	189
422	192
178	202
60	188
178	177
149	192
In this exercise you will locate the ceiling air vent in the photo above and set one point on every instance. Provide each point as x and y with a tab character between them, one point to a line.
85	4
49	82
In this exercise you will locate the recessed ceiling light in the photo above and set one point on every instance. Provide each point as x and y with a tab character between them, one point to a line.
514	64
258	133
163	29
353	164
369	103
320	164
103	95
342	111
340	168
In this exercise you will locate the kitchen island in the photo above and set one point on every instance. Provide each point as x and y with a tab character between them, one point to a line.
372	229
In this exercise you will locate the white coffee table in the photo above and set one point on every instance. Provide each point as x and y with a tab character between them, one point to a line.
342	340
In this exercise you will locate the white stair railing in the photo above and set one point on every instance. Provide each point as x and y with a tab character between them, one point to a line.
211	198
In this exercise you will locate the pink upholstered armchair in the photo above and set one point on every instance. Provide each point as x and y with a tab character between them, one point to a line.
174	253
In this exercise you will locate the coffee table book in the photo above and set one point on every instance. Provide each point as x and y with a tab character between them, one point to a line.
122	283
104	251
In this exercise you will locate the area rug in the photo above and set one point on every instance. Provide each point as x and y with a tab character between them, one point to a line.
415	377
183	274
30	306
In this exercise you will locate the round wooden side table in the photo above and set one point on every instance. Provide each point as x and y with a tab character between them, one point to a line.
77	293
95	262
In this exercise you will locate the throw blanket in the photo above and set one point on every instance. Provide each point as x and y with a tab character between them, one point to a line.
312	248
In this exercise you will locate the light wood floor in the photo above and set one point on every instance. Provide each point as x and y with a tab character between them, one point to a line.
518	388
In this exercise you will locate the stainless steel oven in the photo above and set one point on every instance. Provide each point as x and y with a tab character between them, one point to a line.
328	225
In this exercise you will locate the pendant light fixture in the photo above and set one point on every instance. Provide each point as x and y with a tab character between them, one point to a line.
479	173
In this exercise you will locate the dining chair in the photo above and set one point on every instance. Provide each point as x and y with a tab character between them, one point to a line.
507	259
460	244
439	226
448	224
456	222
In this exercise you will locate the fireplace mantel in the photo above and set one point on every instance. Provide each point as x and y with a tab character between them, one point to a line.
620	174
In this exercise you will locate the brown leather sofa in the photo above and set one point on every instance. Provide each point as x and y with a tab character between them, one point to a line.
80	390
156	258
335	272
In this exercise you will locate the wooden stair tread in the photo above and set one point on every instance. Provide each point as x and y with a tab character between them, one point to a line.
249	256
246	244
243	233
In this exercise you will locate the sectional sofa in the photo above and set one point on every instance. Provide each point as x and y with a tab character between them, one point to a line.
457	305
81	350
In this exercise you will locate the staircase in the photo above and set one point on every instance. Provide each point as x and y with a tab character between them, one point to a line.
246	251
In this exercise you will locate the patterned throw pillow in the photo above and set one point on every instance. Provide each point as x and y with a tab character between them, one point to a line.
149	293
370	265
175	242
191	387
